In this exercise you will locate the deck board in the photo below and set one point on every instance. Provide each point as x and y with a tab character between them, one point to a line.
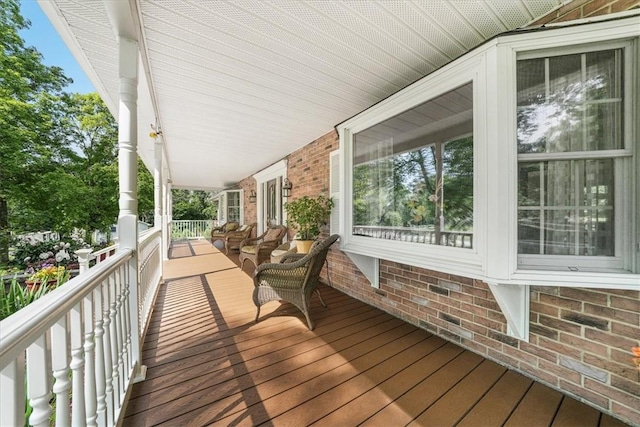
209	363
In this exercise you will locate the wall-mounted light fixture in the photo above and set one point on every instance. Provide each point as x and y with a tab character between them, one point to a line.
252	197
286	188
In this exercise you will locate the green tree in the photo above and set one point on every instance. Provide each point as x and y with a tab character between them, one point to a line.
192	205
29	92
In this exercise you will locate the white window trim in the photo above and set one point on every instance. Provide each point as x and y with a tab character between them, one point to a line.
605	35
461	261
492	70
223	205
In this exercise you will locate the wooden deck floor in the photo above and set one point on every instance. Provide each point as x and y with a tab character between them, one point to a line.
210	364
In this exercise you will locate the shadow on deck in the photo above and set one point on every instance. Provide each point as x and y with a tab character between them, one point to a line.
210	364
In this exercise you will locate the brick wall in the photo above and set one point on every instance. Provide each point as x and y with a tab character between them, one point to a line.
579	9
580	339
250	209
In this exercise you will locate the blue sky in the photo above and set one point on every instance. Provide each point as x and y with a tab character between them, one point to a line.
44	37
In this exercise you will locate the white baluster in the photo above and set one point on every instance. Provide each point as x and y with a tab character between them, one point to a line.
119	291
113	330
78	413
59	364
38	389
101	411
89	363
12	386
106	342
127	322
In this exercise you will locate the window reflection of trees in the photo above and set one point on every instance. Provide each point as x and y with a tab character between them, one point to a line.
569	103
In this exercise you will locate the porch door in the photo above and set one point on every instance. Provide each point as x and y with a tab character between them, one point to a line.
269	188
273	202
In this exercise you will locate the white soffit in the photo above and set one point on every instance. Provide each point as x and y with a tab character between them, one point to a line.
241	84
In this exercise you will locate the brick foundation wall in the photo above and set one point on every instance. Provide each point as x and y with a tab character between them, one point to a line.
580	339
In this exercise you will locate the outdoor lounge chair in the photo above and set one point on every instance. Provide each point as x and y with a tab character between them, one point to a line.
220	233
234	238
293	280
258	249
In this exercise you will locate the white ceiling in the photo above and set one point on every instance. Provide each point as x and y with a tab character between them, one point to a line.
240	84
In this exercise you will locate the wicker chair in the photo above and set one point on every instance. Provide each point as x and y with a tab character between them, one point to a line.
294	280
258	249
220	233
234	238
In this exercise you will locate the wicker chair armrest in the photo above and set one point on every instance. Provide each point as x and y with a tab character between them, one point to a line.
292	278
291	257
267	245
250	241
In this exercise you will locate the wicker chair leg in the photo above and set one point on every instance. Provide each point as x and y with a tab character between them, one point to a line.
320	296
306	314
257	314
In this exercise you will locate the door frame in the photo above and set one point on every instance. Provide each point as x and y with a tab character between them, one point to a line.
277	170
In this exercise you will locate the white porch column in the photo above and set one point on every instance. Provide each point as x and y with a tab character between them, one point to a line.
158	200
165	221
157	182
128	170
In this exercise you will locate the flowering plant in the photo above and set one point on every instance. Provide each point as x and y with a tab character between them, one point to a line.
50	273
30	252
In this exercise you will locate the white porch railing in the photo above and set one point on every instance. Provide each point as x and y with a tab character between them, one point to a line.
196	229
80	340
459	239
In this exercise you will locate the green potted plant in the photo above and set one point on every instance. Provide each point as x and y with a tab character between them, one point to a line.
307	215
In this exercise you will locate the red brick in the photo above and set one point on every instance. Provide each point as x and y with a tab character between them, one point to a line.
584	345
614	394
622	5
539	352
594	5
626	304
612	313
626	369
586	295
545	309
611	340
578	390
553	300
631	416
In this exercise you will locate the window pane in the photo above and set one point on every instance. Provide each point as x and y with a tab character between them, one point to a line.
528	232
529	182
559	232
604	74
596	235
531	84
413	174
570	103
571	202
604	126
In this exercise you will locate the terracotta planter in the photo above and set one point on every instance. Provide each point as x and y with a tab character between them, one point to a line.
303	246
34	286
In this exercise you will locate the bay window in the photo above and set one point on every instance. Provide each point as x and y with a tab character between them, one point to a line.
516	164
413	174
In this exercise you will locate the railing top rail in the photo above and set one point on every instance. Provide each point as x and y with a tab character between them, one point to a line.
148	235
22	328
